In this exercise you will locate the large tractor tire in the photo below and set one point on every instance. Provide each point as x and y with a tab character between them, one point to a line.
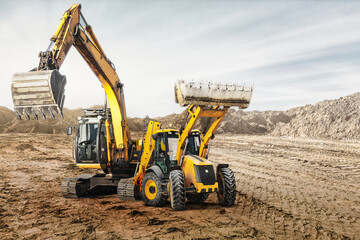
151	190
227	187
177	190
198	197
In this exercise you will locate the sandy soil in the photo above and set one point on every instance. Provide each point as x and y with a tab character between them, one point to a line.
288	189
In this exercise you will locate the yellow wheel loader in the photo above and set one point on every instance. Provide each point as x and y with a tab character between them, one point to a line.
165	164
174	162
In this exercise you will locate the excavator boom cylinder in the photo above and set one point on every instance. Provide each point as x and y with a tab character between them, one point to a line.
214	94
38	94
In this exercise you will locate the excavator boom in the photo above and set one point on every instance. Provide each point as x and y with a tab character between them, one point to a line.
40	92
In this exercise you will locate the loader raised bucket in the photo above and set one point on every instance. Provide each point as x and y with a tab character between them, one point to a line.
38	93
215	94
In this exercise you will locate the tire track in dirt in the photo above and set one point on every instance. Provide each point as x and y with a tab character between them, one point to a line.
288	189
301	180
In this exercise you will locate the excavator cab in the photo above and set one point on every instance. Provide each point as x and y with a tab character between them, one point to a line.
90	148
86	142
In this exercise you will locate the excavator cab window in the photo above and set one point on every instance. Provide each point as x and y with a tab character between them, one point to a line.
86	142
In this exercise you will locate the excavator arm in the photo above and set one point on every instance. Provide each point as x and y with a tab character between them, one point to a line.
41	91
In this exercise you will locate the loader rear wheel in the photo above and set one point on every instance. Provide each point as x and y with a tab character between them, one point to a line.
227	187
198	197
177	190
151	190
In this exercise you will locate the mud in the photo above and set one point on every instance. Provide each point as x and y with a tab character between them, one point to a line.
287	189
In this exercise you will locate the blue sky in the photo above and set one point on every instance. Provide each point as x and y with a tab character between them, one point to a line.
292	52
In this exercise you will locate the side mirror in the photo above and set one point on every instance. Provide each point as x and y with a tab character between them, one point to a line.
69	130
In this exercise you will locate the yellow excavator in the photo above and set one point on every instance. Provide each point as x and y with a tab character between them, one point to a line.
166	163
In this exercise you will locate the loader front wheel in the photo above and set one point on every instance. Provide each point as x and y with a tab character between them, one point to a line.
177	190
152	191
227	187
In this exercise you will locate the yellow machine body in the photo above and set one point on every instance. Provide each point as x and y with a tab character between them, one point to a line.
40	92
192	177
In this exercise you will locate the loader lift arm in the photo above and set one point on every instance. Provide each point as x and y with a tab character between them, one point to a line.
206	99
196	112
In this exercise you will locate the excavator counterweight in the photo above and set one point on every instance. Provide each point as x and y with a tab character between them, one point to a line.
38	94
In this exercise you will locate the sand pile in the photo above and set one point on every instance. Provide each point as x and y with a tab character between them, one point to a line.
236	121
9	123
57	125
252	122
335	119
6	115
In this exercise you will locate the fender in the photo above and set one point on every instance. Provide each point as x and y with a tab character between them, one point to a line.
175	168
221	165
157	170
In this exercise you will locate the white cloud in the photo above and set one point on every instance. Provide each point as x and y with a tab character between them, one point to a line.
293	52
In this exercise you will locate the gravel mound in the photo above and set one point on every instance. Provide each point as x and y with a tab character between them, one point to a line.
333	119
58	125
252	122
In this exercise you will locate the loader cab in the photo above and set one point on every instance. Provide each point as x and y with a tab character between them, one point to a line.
165	151
90	142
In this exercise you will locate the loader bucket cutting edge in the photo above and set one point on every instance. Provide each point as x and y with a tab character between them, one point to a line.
38	93
207	93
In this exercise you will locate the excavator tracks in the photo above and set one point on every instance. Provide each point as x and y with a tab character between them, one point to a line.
97	184
126	190
76	187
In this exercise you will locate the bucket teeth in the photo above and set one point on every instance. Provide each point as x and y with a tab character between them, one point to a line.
208	93
38	93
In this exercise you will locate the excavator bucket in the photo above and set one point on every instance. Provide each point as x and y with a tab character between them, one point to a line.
38	93
215	94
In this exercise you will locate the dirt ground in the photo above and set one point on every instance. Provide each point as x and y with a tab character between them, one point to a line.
287	189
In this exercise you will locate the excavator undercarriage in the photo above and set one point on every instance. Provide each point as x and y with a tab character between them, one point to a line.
88	185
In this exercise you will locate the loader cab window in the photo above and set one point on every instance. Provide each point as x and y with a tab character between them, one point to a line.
161	148
194	144
172	141
86	141
165	150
